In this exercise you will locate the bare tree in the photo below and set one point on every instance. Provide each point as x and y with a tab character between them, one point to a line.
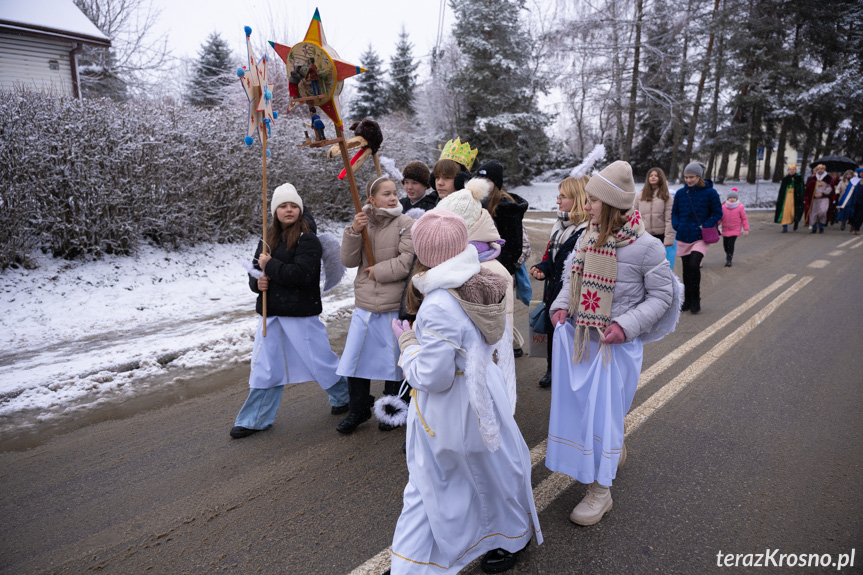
136	51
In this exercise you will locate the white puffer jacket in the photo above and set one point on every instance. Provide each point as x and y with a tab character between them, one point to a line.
644	288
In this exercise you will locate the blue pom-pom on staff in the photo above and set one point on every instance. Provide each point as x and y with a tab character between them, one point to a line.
275	115
249	140
248	30
240	72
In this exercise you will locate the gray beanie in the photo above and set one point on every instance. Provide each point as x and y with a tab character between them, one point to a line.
695	168
613	185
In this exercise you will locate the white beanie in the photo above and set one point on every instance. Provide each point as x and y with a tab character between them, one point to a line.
467	202
285	193
613	185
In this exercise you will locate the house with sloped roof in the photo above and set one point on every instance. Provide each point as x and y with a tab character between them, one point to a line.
39	44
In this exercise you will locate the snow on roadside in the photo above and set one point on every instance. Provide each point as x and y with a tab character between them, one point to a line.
78	334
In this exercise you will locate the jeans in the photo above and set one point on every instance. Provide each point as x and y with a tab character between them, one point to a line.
259	410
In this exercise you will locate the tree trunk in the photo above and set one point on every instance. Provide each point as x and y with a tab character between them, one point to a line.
678	118
737	164
779	168
633	88
693	122
754	141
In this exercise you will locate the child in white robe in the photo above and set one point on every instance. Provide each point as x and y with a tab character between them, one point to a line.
469	492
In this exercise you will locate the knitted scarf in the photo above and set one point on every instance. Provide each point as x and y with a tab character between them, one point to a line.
594	275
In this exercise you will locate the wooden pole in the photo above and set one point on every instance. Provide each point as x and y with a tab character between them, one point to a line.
377	164
355	195
263	128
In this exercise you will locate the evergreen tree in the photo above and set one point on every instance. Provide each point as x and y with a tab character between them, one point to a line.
501	118
371	99
212	72
403	78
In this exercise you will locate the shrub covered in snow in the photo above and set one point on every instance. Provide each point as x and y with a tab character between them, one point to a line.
87	177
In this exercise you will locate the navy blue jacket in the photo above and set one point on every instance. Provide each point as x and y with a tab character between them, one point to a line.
688	202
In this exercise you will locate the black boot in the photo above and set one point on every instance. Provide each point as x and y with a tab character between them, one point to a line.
815	229
545	380
695	307
728	261
795	226
499	560
353	420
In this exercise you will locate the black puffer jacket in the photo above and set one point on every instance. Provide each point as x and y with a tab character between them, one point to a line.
295	276
507	220
553	270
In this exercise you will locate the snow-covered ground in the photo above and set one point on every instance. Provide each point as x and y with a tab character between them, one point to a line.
75	335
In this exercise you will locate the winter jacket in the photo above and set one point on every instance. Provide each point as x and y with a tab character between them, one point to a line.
692	205
508	221
425	203
656	214
295	275
553	268
644	287
393	250
733	220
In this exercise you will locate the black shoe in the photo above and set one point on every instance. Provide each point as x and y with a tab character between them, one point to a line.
728	262
814	229
340	409
695	307
545	381
405	447
517	353
795	226
497	561
386	426
238	432
687	305
352	421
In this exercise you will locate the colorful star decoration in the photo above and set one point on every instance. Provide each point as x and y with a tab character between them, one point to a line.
319	65
259	91
590	300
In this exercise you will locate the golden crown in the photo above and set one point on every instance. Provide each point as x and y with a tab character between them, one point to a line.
456	151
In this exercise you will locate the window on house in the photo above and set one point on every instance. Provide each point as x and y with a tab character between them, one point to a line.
54	64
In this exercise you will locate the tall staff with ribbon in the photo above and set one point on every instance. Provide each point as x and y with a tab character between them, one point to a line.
259	91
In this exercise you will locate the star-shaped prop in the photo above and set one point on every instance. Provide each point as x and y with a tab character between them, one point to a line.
318	72
259	91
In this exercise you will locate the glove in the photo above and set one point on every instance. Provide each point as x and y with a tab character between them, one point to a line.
613	334
558	317
400	326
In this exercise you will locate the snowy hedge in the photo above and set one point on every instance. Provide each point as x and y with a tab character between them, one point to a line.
86	177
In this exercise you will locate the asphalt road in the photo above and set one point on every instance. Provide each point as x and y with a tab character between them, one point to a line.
757	449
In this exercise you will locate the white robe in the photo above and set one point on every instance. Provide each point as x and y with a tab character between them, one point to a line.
462	499
371	349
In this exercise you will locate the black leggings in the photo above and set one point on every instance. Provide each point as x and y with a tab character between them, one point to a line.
361	399
728	244
692	275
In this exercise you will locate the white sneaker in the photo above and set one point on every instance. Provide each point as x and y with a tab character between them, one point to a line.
595	504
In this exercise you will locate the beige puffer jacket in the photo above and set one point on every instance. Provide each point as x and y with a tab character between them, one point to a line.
657	217
393	249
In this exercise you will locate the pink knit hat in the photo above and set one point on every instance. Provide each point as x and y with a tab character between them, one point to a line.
439	235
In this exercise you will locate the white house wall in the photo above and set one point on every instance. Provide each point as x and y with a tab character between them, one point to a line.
28	61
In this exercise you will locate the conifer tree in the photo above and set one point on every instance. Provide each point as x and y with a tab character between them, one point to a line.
371	99
403	78
501	119
212	72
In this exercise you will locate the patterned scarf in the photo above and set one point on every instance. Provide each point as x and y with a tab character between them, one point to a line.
594	275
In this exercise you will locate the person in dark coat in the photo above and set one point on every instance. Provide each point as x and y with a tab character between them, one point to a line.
507	211
296	348
419	196
572	220
857	217
696	206
789	202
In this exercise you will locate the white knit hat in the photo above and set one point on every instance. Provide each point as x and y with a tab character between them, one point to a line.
613	185
467	203
285	193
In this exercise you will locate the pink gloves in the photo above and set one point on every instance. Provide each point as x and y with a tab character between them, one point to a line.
613	334
400	326
558	317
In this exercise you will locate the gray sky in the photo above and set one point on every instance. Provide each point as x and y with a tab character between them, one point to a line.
349	25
